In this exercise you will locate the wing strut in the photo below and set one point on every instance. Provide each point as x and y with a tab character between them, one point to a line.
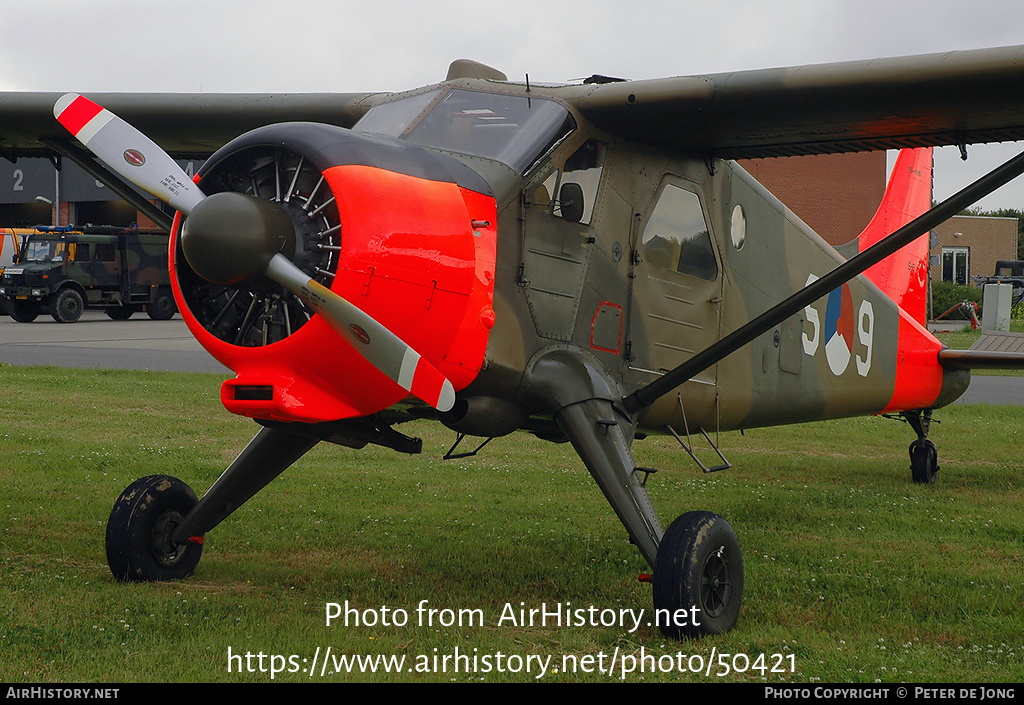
96	170
1000	176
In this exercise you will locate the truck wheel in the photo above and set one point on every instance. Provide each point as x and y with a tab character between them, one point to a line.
163	307
120	313
67	306
23	311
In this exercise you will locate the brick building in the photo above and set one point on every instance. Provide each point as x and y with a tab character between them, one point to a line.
969	245
835	194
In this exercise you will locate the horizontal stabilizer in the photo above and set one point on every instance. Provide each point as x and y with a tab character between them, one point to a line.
992	351
1000	342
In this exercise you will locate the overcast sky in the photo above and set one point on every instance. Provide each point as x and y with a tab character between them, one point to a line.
384	45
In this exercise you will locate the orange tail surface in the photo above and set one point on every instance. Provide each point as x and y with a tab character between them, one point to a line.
903	276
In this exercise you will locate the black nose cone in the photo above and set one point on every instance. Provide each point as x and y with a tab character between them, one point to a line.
229	238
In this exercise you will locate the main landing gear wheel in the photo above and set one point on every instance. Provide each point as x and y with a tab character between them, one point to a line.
924	461
139	546
698	577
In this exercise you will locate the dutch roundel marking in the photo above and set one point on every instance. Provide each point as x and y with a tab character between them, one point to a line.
839	329
846	335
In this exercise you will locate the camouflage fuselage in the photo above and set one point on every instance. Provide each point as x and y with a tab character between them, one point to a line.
672	254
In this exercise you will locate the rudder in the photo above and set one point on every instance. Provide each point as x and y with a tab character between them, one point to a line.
903	276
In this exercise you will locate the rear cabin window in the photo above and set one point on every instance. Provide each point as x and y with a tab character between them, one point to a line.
676	236
105	252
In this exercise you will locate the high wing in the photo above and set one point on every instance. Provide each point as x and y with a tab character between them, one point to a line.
930	100
953	98
184	124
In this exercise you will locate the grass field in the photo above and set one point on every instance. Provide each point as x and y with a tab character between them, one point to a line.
853	573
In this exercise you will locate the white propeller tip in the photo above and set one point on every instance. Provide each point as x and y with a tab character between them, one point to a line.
63	102
446	400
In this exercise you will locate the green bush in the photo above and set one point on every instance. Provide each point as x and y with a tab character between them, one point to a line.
947	294
1017	312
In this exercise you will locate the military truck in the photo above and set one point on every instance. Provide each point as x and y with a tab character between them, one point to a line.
64	270
1008	271
9	246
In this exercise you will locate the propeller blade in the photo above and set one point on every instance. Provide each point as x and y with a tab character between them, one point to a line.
127	151
226	222
388	353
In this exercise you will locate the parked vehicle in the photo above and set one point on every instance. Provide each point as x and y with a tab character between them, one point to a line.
1008	271
10	244
65	270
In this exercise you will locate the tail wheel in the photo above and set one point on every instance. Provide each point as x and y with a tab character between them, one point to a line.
139	544
698	577
261	315
924	461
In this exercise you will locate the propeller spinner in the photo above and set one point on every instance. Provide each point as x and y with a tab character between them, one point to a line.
232	238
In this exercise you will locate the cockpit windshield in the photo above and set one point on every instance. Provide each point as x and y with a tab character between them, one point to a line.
40	250
514	130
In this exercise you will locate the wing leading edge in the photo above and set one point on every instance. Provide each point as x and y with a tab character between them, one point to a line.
183	124
917	101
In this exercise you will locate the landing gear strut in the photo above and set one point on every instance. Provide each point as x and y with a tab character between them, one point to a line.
156	527
924	458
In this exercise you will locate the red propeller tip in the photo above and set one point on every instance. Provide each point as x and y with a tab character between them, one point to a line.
80	116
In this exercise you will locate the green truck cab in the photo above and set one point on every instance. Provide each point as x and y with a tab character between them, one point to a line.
64	271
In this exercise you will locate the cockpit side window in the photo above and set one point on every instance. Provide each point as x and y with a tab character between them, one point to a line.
394	118
583	169
676	236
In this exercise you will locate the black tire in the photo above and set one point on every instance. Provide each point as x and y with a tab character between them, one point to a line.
139	547
120	313
698	577
924	462
67	306
24	311
163	306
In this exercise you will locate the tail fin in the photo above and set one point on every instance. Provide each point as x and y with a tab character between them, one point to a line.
903	276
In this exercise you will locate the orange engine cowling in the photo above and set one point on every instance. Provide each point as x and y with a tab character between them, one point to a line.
405	234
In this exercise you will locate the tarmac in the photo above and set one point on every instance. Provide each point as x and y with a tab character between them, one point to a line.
140	343
98	342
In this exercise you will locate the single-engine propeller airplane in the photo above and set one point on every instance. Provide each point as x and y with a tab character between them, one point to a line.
583	262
